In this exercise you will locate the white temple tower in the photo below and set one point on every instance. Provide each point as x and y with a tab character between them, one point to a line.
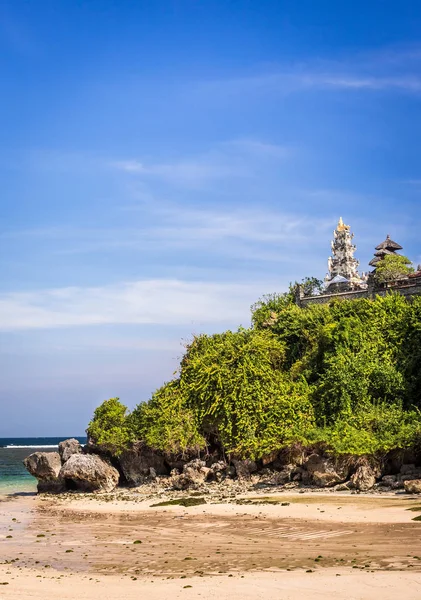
342	265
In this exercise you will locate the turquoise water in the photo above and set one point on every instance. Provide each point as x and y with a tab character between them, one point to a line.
14	478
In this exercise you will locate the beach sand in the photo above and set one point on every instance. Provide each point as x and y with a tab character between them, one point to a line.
313	546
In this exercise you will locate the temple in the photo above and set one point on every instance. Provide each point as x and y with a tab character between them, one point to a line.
386	247
342	265
343	281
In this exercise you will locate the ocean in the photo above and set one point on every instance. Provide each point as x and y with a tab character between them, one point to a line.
14	478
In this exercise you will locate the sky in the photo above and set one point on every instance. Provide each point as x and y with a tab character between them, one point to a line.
164	164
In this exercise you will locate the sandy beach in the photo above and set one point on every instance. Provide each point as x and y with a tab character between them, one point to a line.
298	545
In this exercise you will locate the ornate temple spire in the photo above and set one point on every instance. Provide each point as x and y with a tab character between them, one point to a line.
342	264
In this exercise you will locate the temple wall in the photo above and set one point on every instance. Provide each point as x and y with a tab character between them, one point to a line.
325	298
405	290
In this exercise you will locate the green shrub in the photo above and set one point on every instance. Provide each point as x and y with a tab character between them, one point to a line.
109	427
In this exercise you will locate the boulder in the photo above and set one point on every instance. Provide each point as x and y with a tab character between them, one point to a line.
45	466
326	479
364	478
325	471
194	474
67	448
413	486
89	473
136	464
388	480
219	470
288	473
244	468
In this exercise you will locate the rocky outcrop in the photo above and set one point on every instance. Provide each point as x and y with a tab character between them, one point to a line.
324	471
89	473
220	470
140	462
67	448
194	474
45	466
364	478
413	486
388	481
244	468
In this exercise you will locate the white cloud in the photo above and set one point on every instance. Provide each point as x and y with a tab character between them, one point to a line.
164	302
234	158
188	172
389	69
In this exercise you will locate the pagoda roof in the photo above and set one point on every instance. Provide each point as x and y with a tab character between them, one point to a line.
383	252
374	261
388	244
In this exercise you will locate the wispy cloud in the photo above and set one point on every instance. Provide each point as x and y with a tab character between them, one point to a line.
389	70
188	173
232	232
234	158
163	302
287	82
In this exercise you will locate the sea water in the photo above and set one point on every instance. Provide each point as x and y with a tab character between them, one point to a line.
14	478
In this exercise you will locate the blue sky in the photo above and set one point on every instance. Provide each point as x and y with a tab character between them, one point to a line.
164	164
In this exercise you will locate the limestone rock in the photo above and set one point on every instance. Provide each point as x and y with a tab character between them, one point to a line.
51	486
89	473
136	464
244	468
388	480
413	486
287	474
364	478
326	479
342	487
194	474
219	470
67	448
325	471
45	466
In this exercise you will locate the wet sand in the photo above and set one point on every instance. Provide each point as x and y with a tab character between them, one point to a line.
352	546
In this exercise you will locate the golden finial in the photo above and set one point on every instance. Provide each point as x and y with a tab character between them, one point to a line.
341	225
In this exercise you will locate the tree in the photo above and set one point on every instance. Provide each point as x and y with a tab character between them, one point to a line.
392	267
311	286
109	427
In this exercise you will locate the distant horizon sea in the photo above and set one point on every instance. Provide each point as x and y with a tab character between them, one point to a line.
14	478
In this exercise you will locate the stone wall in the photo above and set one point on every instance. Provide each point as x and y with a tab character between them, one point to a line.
406	289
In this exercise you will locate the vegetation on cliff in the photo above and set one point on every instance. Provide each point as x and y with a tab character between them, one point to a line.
345	375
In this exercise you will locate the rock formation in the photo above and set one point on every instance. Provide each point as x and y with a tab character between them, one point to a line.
67	448
136	464
89	473
45	466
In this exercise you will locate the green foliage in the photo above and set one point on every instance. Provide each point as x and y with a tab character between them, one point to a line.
237	387
392	267
265	310
347	375
311	286
377	429
109	427
166	423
